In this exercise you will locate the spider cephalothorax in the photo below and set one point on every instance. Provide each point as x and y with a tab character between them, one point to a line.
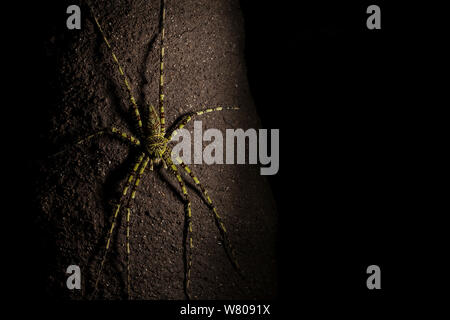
156	146
152	144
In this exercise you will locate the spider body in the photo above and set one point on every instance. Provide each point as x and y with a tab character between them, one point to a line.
156	146
152	143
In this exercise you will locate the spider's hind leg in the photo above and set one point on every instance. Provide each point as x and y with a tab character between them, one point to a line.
136	113
161	70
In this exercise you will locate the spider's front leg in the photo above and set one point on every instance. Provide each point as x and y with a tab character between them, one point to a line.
133	195
229	249
188	245
113	223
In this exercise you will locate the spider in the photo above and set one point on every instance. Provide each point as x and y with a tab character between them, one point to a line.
152	142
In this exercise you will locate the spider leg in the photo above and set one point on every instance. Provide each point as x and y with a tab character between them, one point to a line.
220	225
133	195
115	133
151	165
189	116
161	69
128	253
135	107
188	245
112	131
116	213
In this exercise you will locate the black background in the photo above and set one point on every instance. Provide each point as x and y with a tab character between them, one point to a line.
318	74
351	189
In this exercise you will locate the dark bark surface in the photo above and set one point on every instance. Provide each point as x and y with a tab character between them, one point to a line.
77	191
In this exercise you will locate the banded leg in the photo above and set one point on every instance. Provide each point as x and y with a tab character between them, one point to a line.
188	117
188	245
151	165
133	195
137	115
113	131
116	213
161	70
227	244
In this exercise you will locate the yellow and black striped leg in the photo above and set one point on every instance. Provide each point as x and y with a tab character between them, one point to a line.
188	245
113	131
116	213
128	254
221	226
133	195
151	165
125	137
161	75
136	112
188	117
